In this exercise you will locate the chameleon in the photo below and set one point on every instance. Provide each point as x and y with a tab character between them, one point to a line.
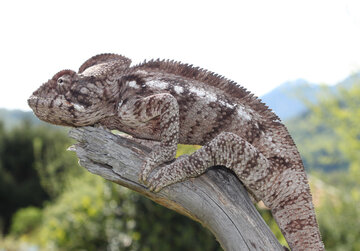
175	103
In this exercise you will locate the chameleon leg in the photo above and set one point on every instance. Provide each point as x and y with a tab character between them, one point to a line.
226	149
166	107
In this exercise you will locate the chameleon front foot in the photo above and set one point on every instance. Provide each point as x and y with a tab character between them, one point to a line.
146	170
162	178
170	174
161	154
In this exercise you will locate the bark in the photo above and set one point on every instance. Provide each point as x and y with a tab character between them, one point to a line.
216	199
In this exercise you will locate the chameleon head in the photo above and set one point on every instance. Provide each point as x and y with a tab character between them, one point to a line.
72	99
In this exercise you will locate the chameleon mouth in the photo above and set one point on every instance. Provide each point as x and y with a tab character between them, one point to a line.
42	108
59	111
33	102
39	105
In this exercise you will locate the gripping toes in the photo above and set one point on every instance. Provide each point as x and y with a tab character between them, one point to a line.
157	157
162	178
146	169
170	174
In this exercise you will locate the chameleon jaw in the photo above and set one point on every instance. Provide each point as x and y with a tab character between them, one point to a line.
55	111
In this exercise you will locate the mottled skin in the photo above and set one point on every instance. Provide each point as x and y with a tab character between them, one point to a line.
176	103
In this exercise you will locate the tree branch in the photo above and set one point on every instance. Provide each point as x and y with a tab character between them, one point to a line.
216	199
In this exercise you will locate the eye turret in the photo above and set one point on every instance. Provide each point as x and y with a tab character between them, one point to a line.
63	80
60	80
64	76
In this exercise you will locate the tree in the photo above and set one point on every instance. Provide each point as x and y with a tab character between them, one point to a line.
339	214
33	167
341	112
19	182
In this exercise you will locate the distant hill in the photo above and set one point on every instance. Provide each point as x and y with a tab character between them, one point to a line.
349	81
11	118
287	100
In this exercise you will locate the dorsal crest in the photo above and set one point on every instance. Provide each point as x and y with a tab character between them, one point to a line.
210	78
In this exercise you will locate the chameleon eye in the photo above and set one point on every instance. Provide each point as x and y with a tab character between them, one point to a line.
60	81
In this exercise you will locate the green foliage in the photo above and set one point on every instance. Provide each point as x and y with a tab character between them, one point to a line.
317	143
341	111
186	149
93	214
33	166
327	135
339	212
26	220
270	221
19	182
11	243
52	162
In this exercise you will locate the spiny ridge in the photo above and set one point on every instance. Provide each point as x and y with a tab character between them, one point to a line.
210	78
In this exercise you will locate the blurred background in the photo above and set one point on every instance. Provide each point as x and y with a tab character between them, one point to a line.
302	58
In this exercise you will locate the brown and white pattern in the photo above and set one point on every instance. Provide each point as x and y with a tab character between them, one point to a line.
175	103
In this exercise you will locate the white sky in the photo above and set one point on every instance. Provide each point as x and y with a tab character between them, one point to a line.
259	44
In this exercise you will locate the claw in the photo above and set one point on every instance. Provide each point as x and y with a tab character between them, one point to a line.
148	166
160	180
165	176
155	186
152	188
157	189
143	177
152	184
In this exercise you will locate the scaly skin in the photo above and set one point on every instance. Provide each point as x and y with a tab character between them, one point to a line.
175	103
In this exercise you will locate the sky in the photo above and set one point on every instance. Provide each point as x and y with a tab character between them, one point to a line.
259	44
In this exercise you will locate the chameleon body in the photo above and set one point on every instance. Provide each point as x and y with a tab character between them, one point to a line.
173	103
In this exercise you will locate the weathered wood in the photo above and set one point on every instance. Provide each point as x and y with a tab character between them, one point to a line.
216	199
